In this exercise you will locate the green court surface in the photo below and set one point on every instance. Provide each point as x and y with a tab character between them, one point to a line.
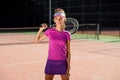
103	38
19	31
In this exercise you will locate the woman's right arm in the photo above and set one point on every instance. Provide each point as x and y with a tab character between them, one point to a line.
40	35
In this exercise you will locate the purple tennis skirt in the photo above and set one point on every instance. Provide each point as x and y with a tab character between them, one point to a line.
56	67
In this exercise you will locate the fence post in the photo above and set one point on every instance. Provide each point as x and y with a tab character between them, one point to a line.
98	31
119	31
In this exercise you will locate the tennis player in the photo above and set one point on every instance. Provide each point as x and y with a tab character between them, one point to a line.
58	62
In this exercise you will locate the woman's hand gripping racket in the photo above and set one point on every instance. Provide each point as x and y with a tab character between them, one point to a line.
43	26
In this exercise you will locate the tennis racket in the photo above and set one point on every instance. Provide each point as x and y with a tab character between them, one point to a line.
72	25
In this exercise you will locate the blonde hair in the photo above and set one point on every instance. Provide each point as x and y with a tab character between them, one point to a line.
59	10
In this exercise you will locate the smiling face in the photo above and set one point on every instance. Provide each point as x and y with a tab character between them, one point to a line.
59	17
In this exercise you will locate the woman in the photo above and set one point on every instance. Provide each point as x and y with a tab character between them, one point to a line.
58	62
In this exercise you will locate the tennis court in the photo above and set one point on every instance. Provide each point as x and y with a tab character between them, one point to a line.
21	59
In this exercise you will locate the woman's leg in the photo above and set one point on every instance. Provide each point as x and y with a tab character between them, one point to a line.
65	77
49	77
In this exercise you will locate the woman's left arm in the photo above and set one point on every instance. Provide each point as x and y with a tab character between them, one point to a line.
68	55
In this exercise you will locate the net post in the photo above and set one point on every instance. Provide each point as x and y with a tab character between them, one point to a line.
87	31
119	31
98	29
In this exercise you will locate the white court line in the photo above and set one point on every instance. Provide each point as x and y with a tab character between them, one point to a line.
16	64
